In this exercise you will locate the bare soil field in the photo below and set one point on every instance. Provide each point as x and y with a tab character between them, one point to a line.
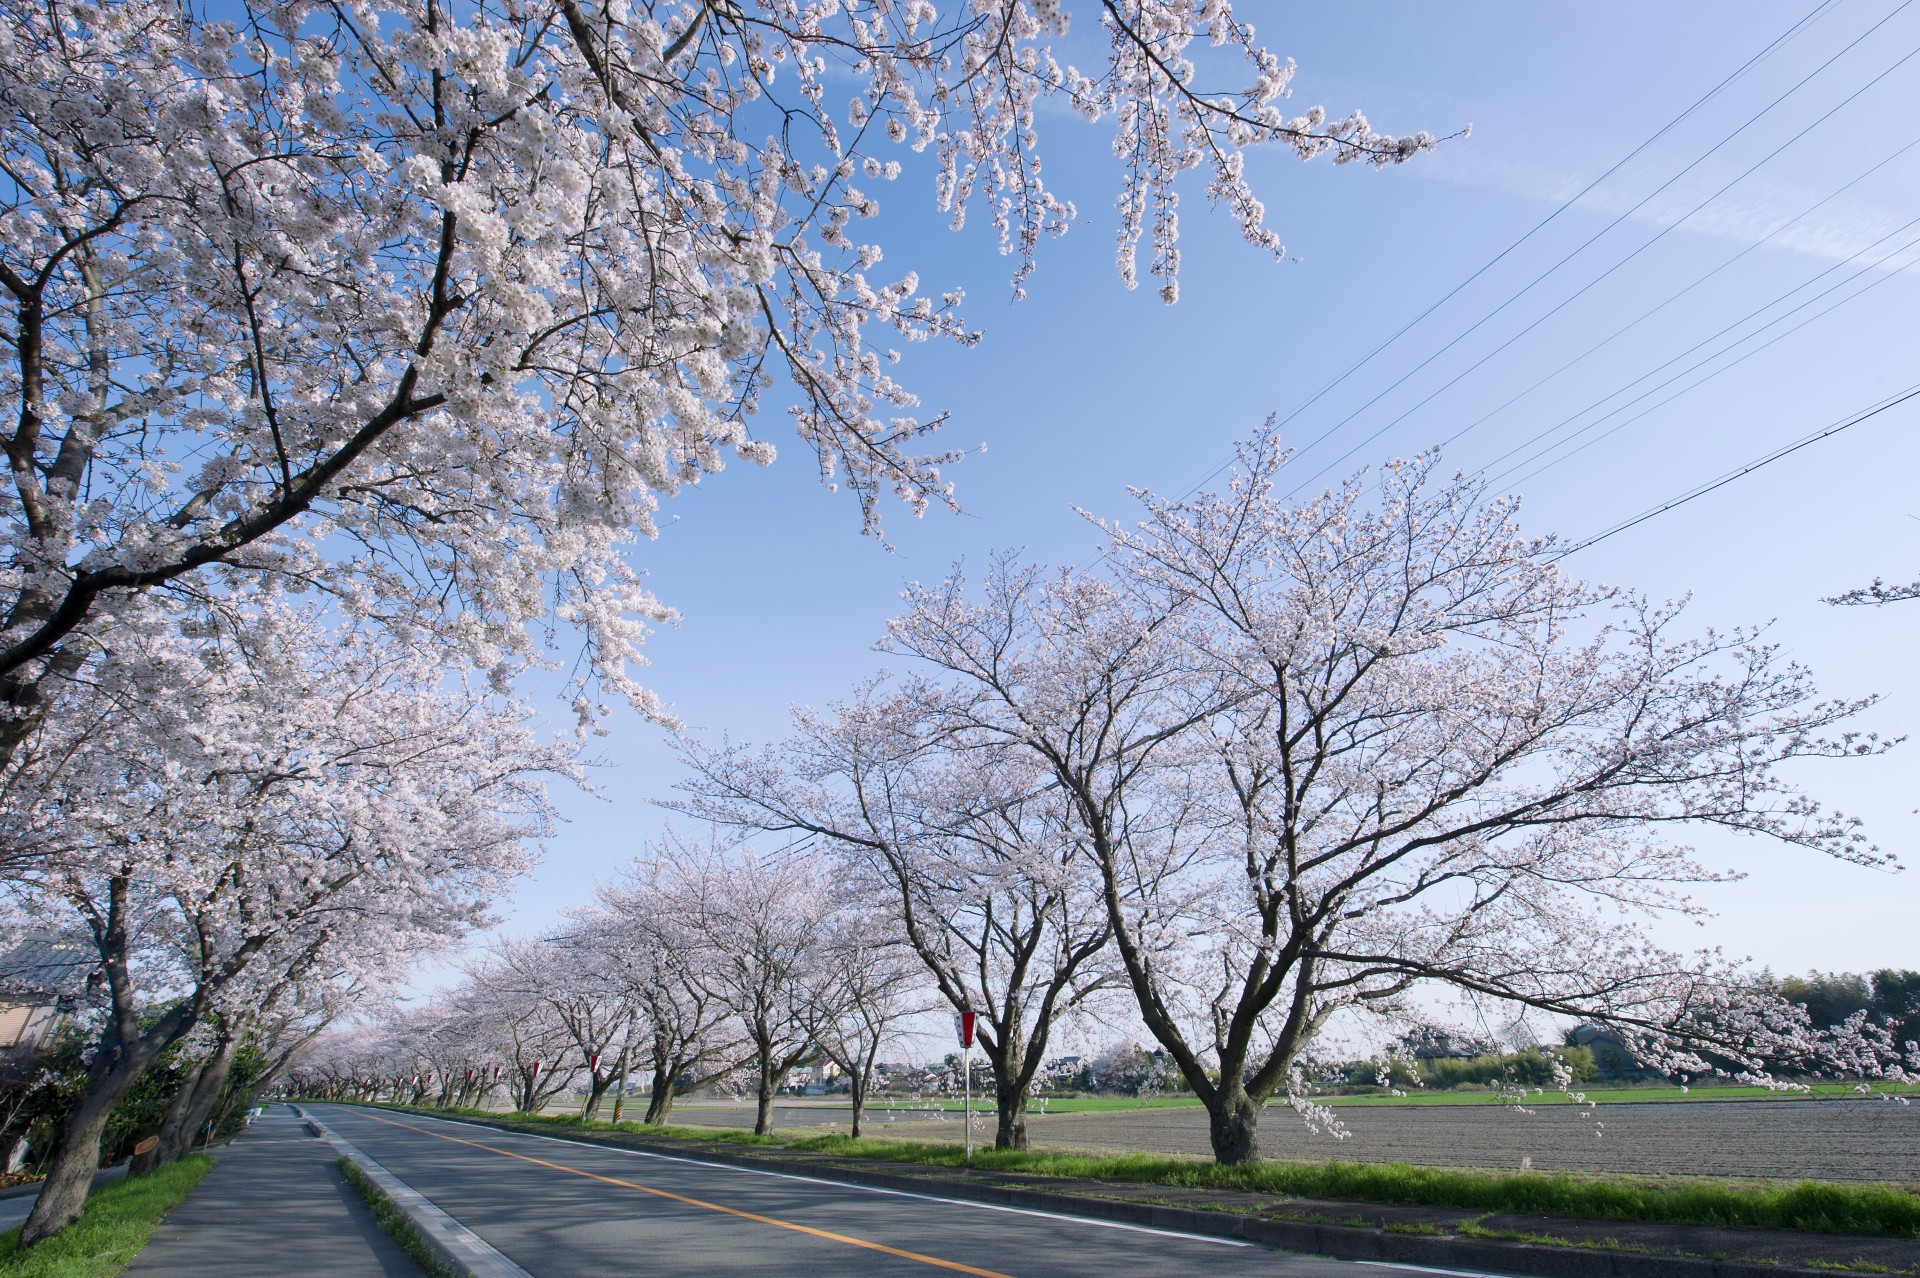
1864	1140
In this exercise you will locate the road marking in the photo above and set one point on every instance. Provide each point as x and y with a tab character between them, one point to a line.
1428	1269
868	1189
935	1261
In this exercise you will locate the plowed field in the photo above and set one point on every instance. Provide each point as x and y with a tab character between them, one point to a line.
1824	1140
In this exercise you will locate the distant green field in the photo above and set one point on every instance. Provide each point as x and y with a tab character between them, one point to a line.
1603	1096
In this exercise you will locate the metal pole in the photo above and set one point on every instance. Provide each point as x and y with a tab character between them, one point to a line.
968	1068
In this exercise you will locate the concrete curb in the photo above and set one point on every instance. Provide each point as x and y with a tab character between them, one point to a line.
1344	1242
451	1242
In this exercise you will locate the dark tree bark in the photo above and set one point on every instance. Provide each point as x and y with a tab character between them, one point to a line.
125	1053
192	1104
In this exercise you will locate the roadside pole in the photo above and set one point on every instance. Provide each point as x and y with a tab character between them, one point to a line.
966	1068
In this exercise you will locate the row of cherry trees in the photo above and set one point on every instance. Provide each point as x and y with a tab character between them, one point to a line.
251	816
1267	765
703	966
420	308
1262	770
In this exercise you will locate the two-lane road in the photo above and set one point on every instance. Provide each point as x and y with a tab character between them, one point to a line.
561	1209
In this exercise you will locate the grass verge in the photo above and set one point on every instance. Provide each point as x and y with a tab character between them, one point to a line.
1809	1206
112	1228
397	1224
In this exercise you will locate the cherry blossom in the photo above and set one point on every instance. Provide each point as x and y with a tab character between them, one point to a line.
238	805
1328	757
429	305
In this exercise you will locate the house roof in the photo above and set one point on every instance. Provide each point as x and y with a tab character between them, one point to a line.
45	965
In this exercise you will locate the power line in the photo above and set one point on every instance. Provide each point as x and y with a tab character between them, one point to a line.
1584	191
1623	330
1779	337
1757	463
1884	258
1596	280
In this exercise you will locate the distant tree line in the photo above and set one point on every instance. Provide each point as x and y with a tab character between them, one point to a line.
1889	997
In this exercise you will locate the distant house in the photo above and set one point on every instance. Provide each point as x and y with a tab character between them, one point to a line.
1428	1044
1610	1052
41	980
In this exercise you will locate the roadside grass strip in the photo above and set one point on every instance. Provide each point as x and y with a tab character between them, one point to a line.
1877	1210
112	1228
396	1223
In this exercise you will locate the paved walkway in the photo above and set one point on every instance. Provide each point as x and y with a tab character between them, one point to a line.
273	1203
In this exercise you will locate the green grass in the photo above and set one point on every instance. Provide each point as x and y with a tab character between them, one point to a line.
397	1224
112	1228
1813	1206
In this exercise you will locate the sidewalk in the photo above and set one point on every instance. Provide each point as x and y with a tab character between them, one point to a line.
274	1202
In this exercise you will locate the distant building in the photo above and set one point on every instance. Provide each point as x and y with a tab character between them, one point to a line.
1428	1044
1610	1052
41	980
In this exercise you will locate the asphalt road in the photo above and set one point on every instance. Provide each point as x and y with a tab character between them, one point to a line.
565	1210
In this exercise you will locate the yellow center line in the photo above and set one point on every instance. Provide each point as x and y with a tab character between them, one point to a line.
935	1261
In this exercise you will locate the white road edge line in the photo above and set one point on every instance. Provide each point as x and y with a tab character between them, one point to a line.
1429	1269
845	1184
463	1249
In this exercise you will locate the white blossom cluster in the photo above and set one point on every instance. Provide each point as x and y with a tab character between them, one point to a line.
251	820
428	304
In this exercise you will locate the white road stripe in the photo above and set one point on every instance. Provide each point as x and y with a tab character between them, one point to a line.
842	1184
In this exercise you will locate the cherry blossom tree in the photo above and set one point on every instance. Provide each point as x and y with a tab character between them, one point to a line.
429	303
520	1029
579	982
881	986
280	1015
1325	756
763	924
970	858
684	1038
230	801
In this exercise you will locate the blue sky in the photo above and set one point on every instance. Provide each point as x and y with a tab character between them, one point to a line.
1085	388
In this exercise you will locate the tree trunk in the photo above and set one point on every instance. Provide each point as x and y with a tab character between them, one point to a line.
175	1116
859	1092
206	1106
195	1099
1011	1131
660	1099
1233	1118
769	1088
76	1151
596	1092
